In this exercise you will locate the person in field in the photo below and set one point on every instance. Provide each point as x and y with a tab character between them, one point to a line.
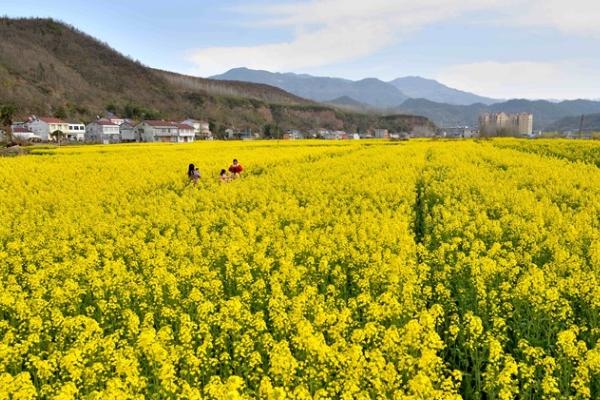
193	174
223	177
236	169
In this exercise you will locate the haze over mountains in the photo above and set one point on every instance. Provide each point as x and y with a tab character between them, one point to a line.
443	105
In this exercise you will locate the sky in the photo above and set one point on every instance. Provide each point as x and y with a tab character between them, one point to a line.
497	48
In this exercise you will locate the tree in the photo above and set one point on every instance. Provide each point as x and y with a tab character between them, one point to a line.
58	135
272	131
111	108
60	112
7	112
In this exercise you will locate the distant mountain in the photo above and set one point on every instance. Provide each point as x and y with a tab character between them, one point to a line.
417	87
545	113
348	102
370	91
591	122
442	114
48	68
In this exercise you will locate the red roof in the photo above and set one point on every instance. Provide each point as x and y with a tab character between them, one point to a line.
20	129
52	120
184	126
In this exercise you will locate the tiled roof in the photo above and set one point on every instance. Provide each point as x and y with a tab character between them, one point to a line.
52	120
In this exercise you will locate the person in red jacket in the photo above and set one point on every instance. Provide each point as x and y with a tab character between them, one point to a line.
236	169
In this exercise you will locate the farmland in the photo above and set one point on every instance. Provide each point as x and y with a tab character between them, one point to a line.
404	270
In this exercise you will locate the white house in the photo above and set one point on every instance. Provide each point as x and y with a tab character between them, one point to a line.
76	131
45	126
102	131
127	131
164	131
201	128
23	133
381	133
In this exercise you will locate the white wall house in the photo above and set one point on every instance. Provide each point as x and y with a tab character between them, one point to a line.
45	126
164	131
23	133
102	131
76	131
381	133
201	128
127	131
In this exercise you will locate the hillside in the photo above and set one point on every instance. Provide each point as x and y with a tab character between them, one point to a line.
49	68
545	113
591	123
369	91
417	87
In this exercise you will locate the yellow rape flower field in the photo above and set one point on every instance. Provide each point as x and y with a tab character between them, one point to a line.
330	270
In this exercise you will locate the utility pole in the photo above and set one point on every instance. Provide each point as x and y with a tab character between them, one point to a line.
581	125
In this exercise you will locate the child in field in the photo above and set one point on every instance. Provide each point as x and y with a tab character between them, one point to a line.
236	169
223	177
193	174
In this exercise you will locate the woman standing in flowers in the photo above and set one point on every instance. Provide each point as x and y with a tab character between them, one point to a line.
193	174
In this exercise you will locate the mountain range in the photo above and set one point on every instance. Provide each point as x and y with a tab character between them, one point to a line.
545	113
49	68
371	92
443	105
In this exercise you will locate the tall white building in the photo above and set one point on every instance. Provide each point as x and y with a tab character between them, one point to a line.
507	124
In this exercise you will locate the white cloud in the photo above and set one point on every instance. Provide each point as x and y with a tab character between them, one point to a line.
565	80
578	17
327	32
331	31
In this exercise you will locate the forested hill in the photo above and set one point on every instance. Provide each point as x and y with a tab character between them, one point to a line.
50	68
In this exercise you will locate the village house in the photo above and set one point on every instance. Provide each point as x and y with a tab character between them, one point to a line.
458	132
336	135
245	134
102	131
127	132
201	128
75	131
164	131
23	133
44	127
293	134
422	131
381	134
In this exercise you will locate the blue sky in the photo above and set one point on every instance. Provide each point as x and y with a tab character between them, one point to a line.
509	48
